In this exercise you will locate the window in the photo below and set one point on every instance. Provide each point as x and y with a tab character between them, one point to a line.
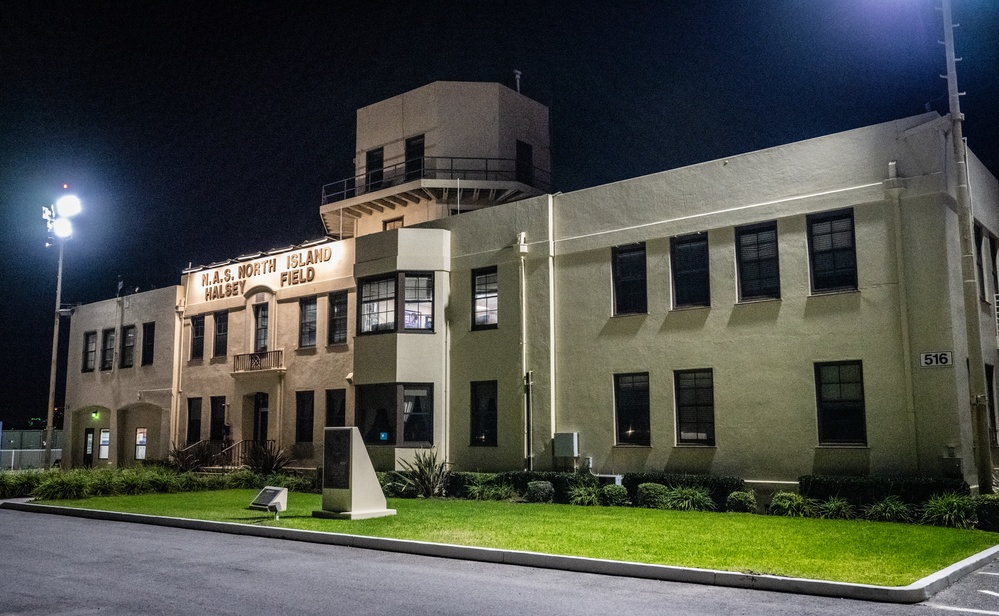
216	419
832	252
419	308
198	337
336	408
307	322
380	409
140	443
979	262
193	420
148	343
337	330
691	278
525	163
89	351
107	349
631	407
374	169
695	407
839	390
260	328
485	298
220	345
483	419
104	445
414	158
756	255
993	247
304	414
394	223
628	272
127	358
378	308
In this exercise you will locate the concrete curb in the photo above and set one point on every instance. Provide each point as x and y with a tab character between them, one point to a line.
913	593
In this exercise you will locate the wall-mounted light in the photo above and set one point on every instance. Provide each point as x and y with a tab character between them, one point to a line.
95	415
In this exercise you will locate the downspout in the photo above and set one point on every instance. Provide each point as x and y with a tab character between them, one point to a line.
178	372
551	312
527	376
894	188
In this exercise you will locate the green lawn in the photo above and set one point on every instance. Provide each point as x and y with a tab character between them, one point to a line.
862	552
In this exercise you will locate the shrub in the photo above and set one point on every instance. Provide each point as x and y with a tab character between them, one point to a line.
132	482
102	482
987	511
266	459
954	510
540	492
66	485
792	505
612	495
741	502
688	498
718	486
585	495
294	483
425	475
243	479
836	508
651	496
864	490
18	484
562	483
888	509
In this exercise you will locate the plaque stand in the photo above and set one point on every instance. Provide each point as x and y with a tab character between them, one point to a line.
350	486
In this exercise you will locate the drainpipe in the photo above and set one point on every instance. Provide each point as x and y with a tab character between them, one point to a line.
551	312
894	188
528	377
972	320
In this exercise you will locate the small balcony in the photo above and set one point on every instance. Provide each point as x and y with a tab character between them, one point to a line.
266	361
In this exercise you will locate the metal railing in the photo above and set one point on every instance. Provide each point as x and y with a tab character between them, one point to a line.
235	454
438	168
14	459
267	360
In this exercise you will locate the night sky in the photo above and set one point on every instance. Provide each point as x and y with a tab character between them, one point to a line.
200	131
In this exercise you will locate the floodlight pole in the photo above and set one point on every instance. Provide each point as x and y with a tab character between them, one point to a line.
969	270
50	420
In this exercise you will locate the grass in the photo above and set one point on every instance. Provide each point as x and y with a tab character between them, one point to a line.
847	551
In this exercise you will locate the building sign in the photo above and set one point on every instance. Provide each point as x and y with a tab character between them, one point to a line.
278	271
937	359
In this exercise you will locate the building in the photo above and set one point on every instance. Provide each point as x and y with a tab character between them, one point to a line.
788	311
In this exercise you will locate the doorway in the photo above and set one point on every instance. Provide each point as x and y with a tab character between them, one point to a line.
260	402
88	447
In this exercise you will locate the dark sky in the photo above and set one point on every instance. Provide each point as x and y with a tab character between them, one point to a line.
199	131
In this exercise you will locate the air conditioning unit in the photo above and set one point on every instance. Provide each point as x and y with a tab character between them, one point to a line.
567	445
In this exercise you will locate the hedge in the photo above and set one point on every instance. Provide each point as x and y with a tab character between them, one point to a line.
862	491
718	486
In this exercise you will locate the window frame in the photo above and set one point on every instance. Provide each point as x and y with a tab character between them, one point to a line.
696	407
338	313
197	337
89	359
393	223
336	408
261	327
126	354
759	291
630	284
485	273
148	343
308	322
107	349
220	337
216	419
194	419
305	416
638	410
397	393
398	302
482	422
822	407
415	152
691	281
851	277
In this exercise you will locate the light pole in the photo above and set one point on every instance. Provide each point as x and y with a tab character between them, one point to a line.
57	217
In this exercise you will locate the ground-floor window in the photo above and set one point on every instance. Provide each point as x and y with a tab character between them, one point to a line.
381	409
336	408
631	408
140	443
839	391
104	445
193	420
304	414
695	407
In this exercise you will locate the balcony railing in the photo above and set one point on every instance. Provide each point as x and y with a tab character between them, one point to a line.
249	362
438	168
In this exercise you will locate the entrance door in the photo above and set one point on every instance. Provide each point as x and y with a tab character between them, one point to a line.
260	418
88	447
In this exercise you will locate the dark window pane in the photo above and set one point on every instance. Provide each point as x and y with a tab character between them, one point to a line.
483	417
338	317
691	280
631	406
695	406
832	254
628	270
336	408
839	390
304	415
759	273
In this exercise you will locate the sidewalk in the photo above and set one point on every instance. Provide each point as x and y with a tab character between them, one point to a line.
913	593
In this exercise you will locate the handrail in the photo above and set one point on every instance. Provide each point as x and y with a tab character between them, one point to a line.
267	360
437	168
235	455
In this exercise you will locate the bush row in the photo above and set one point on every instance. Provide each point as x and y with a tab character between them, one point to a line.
862	491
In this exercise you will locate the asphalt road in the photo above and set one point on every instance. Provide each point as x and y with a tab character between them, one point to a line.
52	565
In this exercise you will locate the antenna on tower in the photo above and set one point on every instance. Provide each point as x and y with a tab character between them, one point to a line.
516	77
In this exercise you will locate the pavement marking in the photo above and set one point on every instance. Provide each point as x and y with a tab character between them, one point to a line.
987	573
966	610
990	592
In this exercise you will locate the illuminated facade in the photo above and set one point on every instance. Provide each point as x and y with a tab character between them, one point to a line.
789	311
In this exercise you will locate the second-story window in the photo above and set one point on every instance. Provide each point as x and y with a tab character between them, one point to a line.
628	273
419	307
414	158
89	351
377	309
220	345
485	298
380	308
374	169
756	255
691	279
198	336
307	322
107	349
337	331
832	251
127	358
148	343
260	328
